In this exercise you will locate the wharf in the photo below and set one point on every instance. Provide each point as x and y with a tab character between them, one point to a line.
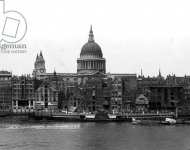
100	117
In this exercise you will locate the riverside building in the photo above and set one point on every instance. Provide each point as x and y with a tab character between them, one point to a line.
92	89
5	91
23	93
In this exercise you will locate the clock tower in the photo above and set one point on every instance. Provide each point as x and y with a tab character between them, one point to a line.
39	65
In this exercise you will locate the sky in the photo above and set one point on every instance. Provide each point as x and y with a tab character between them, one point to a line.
133	34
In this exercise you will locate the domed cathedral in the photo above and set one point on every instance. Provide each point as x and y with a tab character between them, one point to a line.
39	65
91	58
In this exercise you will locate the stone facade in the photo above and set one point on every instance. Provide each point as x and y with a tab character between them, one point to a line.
46	96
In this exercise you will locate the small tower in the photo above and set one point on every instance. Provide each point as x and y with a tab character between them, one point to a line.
142	73
159	73
39	65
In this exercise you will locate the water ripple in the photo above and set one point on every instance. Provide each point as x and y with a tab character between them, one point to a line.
39	127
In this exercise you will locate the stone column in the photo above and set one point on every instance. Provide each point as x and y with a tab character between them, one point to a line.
29	104
16	104
79	65
104	66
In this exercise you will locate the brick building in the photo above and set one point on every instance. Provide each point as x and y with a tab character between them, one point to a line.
162	93
5	91
123	91
23	93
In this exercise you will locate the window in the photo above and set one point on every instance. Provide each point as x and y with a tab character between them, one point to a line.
75	104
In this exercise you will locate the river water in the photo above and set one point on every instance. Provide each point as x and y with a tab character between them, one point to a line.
92	136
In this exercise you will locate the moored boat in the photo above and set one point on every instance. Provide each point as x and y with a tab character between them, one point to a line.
90	116
169	121
144	121
112	117
135	121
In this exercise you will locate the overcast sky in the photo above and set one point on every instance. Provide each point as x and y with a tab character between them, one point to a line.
133	34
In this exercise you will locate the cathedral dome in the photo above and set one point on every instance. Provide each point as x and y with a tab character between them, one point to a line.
91	48
91	58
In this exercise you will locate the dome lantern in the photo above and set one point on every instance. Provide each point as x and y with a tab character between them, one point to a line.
91	35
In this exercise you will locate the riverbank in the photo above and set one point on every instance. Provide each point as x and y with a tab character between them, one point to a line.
149	118
28	120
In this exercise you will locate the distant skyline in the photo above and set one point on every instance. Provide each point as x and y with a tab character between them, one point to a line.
132	34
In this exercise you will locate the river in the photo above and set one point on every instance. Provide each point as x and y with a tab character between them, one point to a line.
92	136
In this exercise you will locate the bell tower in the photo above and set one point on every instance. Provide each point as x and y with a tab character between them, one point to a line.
39	65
